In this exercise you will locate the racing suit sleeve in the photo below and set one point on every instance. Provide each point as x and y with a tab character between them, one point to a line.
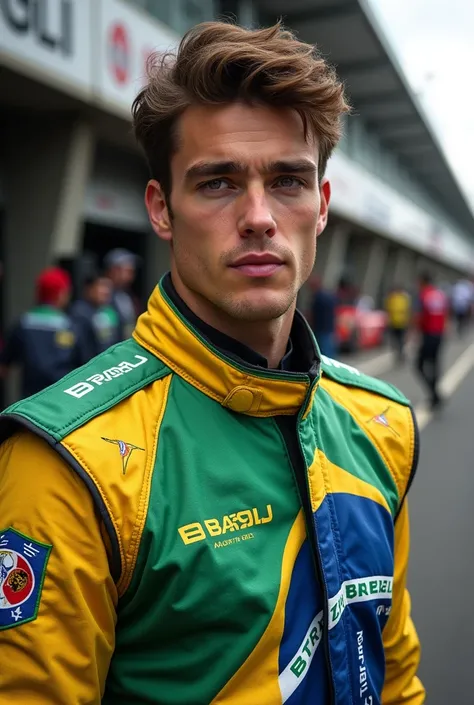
63	653
402	646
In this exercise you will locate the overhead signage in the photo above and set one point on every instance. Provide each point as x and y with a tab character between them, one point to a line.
47	37
127	38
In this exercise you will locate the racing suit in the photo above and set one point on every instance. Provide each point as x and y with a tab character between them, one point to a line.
184	526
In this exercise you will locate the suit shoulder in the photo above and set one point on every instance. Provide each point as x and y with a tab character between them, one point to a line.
87	392
351	377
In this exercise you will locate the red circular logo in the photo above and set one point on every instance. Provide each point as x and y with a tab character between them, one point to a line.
17	580
119	53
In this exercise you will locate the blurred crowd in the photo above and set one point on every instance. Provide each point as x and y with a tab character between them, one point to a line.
421	318
60	333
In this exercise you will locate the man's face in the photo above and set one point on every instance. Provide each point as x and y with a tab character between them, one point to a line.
247	209
101	291
123	275
63	299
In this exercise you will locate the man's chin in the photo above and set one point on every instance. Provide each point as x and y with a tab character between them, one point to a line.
259	307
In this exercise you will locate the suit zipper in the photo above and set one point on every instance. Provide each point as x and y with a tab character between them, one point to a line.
299	469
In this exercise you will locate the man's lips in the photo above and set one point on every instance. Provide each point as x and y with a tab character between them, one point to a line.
258	270
257	258
258	264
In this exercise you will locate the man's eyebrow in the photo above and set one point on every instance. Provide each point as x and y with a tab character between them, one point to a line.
291	166
205	170
209	169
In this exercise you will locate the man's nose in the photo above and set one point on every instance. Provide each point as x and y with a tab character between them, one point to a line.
256	218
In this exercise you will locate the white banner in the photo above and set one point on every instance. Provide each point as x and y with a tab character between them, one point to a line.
363	198
126	39
49	37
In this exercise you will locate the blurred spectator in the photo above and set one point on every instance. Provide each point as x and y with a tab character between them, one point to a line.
94	315
462	299
120	268
347	293
398	308
45	343
323	317
432	318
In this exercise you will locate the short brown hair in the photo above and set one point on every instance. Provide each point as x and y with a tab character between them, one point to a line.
220	63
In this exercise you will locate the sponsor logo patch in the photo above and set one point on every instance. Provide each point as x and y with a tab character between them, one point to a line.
125	450
80	389
370	589
382	420
23	564
217	526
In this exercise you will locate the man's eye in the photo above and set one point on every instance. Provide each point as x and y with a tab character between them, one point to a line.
289	182
215	185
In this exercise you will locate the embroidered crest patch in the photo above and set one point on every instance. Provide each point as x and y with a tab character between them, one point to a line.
23	564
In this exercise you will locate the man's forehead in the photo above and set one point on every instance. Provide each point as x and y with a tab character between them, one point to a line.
254	136
217	128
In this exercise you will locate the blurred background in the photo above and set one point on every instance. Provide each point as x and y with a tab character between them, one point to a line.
71	197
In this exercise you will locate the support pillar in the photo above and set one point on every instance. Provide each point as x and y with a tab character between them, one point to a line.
336	256
404	272
247	13
47	160
66	236
375	269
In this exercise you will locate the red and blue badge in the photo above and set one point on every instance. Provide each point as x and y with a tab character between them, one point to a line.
23	564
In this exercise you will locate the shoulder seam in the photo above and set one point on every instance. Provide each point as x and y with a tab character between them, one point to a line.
43	392
96	412
131	555
360	380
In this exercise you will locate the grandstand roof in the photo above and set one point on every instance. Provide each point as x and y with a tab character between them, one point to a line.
350	37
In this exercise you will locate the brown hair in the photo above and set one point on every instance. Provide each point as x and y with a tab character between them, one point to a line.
218	63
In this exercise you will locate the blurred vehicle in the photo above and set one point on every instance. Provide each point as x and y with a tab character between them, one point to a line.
359	325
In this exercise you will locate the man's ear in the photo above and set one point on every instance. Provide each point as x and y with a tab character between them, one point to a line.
158	211
325	197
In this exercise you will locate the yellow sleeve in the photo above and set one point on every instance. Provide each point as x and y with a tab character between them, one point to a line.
402	646
62	655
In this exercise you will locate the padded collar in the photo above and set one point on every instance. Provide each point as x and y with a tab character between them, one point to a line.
237	385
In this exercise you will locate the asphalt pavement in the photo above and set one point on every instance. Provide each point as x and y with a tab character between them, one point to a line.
442	525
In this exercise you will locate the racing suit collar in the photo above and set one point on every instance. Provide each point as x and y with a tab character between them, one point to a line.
233	348
222	368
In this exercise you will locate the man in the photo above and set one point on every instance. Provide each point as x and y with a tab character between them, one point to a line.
228	520
323	317
432	318
462	300
398	308
97	319
45	343
120	268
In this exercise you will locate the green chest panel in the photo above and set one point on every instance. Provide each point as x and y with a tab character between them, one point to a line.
222	505
345	444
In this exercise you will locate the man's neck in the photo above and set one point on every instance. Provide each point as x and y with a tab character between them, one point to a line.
268	338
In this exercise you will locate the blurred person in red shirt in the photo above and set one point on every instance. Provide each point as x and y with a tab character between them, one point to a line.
433	312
